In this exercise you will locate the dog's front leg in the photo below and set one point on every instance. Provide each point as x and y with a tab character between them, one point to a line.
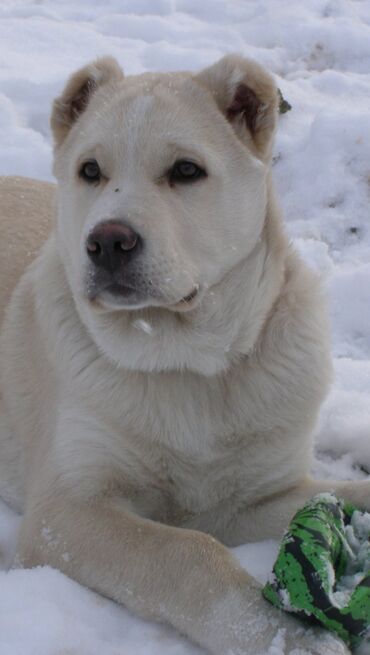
269	518
175	575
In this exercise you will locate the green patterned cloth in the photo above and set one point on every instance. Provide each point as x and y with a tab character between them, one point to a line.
322	572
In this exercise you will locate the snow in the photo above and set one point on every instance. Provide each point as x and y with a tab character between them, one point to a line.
140	324
357	536
320	53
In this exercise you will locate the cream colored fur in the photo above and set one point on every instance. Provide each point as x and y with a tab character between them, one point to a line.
26	208
142	438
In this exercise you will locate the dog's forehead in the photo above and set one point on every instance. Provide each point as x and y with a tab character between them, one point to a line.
156	107
149	121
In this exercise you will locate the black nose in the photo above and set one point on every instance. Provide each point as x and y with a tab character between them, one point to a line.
112	243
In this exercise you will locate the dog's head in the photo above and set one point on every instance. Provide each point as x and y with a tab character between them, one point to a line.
162	193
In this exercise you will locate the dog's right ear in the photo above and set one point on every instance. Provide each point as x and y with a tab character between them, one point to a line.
68	107
248	98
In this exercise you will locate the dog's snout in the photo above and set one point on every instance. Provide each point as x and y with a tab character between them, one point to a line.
112	243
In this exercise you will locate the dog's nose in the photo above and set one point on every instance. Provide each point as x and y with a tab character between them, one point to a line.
112	243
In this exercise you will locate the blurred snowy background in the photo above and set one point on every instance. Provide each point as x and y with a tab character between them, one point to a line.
319	51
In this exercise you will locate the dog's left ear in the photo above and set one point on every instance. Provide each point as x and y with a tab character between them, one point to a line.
78	92
248	97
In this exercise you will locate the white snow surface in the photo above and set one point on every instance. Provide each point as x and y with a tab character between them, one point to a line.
319	51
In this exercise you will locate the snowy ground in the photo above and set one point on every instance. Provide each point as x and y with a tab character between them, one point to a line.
320	53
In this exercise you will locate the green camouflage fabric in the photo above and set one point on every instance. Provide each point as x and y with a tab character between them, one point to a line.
316	558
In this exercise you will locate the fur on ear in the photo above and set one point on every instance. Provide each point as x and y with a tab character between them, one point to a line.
248	97
77	93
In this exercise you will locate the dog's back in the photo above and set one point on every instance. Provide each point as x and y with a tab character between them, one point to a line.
26	210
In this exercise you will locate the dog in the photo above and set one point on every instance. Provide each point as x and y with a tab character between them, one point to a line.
165	355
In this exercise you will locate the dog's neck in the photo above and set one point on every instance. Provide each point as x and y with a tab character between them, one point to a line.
260	278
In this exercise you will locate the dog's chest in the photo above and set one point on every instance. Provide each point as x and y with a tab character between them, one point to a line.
191	444
194	482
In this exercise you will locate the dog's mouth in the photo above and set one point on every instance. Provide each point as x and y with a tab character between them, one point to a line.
187	302
121	290
117	296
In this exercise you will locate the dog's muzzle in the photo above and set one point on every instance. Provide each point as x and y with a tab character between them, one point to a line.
116	279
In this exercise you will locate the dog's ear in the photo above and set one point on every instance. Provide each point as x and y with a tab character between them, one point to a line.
247	95
77	93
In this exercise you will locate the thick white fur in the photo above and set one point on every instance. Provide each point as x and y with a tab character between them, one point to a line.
138	448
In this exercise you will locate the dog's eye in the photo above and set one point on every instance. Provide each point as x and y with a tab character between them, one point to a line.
90	171
186	171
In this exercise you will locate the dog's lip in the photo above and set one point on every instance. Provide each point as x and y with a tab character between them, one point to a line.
187	302
125	292
121	290
116	296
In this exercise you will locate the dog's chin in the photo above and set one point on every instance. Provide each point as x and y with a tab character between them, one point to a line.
120	297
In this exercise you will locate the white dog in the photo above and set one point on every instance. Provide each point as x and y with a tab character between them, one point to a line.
165	356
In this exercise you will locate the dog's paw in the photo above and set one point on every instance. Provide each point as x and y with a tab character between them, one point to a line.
313	641
299	640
